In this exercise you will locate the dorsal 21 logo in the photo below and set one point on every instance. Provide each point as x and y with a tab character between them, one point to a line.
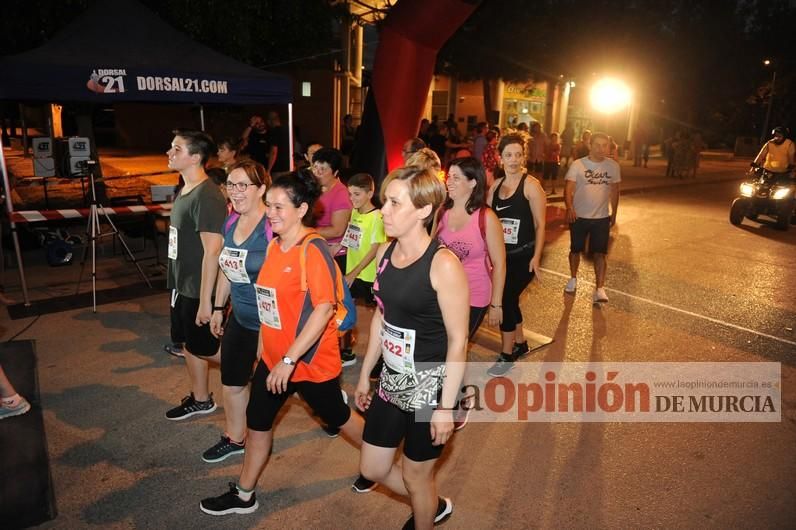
107	81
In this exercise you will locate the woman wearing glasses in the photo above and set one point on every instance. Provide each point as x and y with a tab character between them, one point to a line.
246	236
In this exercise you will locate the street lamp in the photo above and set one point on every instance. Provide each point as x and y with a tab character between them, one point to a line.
764	132
609	95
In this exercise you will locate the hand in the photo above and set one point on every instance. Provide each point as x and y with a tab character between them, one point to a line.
362	396
613	219
216	323
204	313
277	380
441	426
535	267
495	316
349	278
571	215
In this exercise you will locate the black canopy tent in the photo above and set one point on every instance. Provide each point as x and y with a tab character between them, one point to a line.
120	51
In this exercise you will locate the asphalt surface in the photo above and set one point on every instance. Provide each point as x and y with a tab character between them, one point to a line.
682	283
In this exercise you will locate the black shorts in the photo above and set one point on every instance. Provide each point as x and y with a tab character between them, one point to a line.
477	315
550	171
596	229
386	425
362	290
535	166
238	353
325	399
197	339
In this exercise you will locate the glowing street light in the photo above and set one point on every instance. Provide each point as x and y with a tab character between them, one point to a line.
609	95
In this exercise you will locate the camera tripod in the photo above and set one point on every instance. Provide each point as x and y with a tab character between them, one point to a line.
94	232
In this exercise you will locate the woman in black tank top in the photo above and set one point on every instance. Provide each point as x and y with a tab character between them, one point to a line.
520	203
418	282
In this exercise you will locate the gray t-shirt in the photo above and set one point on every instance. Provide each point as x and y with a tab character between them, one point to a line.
202	209
593	186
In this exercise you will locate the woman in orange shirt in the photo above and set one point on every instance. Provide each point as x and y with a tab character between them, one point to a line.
298	338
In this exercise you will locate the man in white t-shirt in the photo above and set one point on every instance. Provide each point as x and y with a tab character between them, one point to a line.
591	183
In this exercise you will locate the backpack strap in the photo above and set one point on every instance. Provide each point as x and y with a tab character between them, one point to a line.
482	222
231	218
234	216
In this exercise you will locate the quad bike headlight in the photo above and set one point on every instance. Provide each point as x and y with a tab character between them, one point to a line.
780	193
747	190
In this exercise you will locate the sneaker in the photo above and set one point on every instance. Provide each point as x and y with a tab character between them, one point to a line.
331	432
8	409
190	407
223	450
504	363
572	286
175	349
229	503
363	485
444	510
520	349
600	296
348	357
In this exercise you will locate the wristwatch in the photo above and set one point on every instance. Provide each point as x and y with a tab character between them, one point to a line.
288	361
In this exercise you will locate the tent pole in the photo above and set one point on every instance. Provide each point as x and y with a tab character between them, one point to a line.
202	117
24	130
290	132
14	237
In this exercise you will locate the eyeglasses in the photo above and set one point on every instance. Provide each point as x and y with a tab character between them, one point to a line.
238	186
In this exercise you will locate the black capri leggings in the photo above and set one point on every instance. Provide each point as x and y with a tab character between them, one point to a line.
517	279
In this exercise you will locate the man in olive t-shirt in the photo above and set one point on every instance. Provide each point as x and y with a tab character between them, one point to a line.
195	241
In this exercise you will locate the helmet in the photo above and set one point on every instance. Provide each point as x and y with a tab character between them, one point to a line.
779	130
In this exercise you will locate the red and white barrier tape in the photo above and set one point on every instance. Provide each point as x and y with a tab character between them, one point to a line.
35	216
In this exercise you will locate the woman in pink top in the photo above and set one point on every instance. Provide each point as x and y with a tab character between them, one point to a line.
334	206
472	231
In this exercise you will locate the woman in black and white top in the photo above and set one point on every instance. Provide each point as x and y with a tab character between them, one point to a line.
420	330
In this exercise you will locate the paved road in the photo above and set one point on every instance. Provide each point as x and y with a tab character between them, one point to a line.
682	282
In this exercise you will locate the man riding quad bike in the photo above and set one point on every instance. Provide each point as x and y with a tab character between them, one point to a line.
771	188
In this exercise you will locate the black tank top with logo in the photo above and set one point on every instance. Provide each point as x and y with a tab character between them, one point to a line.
413	331
517	218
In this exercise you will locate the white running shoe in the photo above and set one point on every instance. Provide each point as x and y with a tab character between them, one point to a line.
600	296
572	286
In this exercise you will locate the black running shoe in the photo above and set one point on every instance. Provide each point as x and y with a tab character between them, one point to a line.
504	363
331	432
190	407
444	510
363	485
348	357
223	450
175	349
229	503
520	349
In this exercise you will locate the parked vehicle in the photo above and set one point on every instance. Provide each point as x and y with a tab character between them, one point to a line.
769	194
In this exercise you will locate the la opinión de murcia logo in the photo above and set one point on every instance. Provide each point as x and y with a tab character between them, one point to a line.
107	80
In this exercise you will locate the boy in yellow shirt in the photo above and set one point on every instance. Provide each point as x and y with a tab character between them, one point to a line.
364	234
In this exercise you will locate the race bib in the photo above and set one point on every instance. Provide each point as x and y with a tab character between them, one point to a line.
267	309
233	263
398	347
172	242
511	230
353	237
